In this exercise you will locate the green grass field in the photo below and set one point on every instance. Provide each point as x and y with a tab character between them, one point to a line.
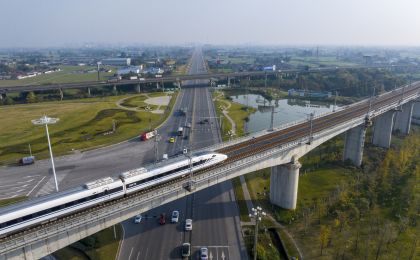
314	61
83	124
237	112
7	202
240	200
68	74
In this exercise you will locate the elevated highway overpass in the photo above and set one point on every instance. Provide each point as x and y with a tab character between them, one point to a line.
175	79
279	149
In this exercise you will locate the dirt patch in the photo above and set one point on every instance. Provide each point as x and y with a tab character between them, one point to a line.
158	101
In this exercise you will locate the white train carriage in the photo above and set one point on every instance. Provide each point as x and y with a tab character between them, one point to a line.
143	178
46	208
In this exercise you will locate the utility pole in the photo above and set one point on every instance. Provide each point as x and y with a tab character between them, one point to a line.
188	154
157	139
311	119
257	214
47	121
335	101
272	119
98	63
371	100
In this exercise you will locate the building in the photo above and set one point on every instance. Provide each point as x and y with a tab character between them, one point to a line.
128	70
117	61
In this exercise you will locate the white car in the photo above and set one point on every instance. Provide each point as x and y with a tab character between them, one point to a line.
175	216
188	224
137	219
204	253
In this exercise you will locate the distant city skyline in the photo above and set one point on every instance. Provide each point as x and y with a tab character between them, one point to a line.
48	23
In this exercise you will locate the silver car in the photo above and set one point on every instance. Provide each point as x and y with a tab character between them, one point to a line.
188	224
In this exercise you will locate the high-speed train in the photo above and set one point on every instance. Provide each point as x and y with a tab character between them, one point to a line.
47	208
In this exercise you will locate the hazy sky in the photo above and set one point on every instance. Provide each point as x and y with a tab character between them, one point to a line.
40	23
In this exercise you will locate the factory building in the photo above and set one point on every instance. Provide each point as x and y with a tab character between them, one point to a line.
117	61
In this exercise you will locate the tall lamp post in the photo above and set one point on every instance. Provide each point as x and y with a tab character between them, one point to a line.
47	121
257	214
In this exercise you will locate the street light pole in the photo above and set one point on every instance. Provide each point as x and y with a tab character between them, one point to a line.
257	214
46	121
157	139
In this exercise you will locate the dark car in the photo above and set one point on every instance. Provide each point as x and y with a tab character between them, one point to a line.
186	249
162	219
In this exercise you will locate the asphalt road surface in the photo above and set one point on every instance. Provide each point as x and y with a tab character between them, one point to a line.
214	212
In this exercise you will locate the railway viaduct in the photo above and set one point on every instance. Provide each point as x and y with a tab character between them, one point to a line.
279	149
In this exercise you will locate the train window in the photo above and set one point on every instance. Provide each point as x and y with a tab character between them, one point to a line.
56	208
69	204
27	217
11	222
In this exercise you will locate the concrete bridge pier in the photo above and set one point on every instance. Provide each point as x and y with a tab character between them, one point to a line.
179	84
138	89
382	129
354	143
228	82
416	113
402	120
114	89
88	89
1	96
284	181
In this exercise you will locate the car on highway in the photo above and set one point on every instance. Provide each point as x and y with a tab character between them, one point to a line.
188	224
172	140
137	219
204	253
162	219
175	216
186	250
189	125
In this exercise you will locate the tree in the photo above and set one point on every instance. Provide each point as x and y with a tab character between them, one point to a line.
31	98
324	236
8	101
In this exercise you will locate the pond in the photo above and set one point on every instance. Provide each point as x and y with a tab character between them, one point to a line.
285	110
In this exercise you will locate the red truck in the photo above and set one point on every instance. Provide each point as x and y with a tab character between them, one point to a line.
147	135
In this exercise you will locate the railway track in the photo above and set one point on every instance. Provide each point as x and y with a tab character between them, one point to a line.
242	150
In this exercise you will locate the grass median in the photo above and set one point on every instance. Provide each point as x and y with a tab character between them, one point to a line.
84	123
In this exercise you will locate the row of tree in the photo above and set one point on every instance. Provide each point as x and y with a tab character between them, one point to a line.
373	214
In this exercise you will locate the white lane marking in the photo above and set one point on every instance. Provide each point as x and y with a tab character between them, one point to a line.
138	254
131	252
122	241
36	186
28	176
25	181
14	184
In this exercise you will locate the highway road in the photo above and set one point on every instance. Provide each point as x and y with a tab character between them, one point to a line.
214	211
215	215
